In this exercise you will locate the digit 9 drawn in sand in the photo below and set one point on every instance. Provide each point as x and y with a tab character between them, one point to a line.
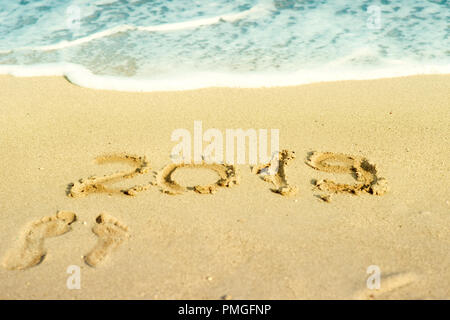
365	173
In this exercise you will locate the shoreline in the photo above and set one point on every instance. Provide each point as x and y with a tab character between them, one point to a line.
245	241
81	76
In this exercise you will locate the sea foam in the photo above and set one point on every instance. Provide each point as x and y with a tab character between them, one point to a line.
79	75
146	46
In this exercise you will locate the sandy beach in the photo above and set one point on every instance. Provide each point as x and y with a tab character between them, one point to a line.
241	242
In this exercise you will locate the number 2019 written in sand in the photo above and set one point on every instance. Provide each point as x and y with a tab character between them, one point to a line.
112	233
364	172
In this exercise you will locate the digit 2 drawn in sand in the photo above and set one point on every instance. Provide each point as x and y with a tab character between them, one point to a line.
228	174
365	173
111	233
275	173
32	251
96	184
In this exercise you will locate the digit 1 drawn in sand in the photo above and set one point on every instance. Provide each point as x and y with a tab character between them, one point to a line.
388	284
111	233
32	251
96	184
228	174
365	173
275	172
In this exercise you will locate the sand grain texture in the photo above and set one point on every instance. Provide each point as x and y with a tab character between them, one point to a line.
251	242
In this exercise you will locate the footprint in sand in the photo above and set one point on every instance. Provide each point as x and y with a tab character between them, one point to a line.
111	233
96	184
365	173
388	285
228	174
32	251
274	172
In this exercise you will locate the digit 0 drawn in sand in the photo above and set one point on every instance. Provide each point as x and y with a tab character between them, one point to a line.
275	172
365	173
31	251
228	174
111	233
96	184
388	285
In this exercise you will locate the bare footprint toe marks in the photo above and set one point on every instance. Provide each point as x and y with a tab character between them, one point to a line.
111	234
31	250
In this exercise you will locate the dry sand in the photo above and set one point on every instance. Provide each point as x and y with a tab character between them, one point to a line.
244	241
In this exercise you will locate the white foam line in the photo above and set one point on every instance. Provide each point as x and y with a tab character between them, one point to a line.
81	76
123	28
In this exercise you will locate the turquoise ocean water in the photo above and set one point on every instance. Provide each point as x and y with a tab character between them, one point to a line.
146	45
